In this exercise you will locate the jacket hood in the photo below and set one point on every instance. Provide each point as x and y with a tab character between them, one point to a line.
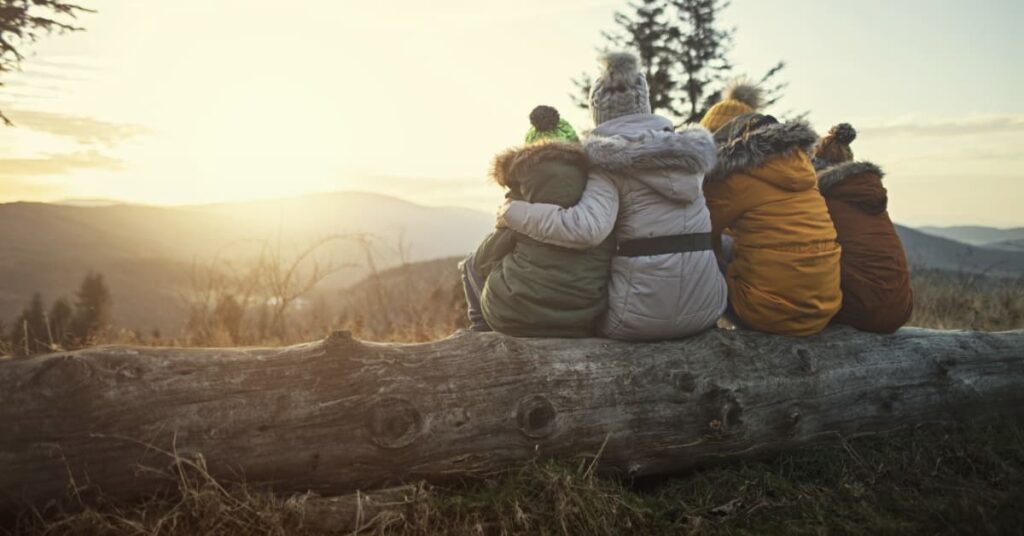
752	140
643	147
857	183
512	165
831	176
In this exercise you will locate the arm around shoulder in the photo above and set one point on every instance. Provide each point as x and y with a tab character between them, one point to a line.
582	226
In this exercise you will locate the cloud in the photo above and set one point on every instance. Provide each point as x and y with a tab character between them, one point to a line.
57	164
986	124
84	130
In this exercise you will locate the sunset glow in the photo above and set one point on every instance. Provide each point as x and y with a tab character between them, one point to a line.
183	102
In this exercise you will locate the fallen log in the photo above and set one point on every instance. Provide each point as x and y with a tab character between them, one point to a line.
338	415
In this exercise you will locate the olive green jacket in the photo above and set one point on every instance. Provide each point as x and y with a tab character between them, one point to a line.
534	289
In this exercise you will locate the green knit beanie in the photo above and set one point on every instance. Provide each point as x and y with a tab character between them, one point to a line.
548	125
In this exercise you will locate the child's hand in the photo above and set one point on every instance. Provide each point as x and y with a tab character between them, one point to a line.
502	209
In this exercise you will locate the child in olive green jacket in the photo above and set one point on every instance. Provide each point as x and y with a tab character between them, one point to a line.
522	287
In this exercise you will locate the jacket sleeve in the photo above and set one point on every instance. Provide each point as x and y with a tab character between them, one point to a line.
582	226
724	209
494	248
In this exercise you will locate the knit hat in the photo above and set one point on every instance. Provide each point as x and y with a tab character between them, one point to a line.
834	148
620	90
739	98
548	125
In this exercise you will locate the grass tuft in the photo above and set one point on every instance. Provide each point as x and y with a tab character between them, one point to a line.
933	479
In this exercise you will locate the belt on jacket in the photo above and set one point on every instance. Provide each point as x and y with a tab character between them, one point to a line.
665	245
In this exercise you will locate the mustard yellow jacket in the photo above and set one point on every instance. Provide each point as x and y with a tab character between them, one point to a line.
784	274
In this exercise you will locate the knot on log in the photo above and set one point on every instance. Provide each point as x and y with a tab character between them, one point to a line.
535	416
943	368
62	374
805	359
720	408
686	382
888	399
394	423
791	421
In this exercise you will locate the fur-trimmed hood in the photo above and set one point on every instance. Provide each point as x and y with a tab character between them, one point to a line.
751	140
857	184
511	166
643	147
831	176
691	150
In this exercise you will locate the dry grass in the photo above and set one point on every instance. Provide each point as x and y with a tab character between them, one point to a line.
948	300
965	479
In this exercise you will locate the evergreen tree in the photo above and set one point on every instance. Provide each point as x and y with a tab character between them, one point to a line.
24	21
683	52
60	322
701	53
92	309
647	32
30	333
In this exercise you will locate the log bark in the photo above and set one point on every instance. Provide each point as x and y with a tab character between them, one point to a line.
339	415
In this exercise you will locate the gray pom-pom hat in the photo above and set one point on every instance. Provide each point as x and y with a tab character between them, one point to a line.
620	89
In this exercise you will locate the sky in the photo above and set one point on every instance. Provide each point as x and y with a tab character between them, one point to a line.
200	101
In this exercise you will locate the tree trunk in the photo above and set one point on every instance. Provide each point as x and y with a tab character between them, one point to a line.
339	415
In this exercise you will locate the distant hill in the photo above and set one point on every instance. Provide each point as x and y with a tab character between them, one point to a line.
88	202
930	251
146	252
977	235
1008	245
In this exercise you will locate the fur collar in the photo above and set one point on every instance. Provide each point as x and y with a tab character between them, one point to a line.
691	150
510	166
832	176
744	150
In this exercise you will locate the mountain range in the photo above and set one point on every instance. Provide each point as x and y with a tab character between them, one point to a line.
148	253
1009	239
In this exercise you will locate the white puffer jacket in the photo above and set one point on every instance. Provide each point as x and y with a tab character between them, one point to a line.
645	182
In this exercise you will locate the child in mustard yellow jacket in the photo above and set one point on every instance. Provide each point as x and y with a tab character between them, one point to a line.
783	275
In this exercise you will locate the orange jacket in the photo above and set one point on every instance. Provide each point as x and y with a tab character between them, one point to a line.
784	274
876	281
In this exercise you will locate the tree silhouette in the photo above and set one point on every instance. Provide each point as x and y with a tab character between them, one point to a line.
25	21
648	32
92	309
683	52
30	333
61	315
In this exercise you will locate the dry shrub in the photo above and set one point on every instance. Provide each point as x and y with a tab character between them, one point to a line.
412	303
962	300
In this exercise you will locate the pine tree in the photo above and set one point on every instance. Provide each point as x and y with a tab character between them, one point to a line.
92	309
646	30
683	52
60	322
24	21
701	52
30	333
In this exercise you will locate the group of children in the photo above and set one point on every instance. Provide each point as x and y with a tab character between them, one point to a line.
645	232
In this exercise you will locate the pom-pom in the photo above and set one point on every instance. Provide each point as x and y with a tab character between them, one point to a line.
745	92
620	69
843	133
544	118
